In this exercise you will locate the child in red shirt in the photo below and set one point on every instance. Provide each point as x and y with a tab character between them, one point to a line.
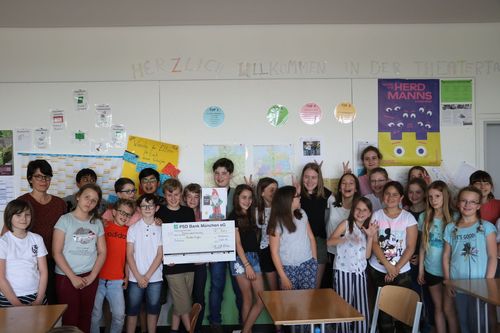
113	276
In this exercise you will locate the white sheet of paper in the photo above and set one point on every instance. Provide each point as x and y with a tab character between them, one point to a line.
23	139
194	242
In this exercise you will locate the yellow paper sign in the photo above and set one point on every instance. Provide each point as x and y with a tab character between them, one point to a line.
144	153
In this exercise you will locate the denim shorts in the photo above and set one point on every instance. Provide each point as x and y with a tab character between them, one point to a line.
237	267
136	296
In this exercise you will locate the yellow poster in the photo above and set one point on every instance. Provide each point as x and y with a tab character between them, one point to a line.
144	153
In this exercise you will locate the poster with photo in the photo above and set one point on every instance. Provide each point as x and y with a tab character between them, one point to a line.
213	203
310	150
6	153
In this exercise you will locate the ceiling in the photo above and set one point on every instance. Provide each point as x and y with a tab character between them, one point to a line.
115	13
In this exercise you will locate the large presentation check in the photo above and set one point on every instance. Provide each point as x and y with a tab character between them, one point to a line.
194	242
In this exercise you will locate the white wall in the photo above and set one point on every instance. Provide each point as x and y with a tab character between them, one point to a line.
160	79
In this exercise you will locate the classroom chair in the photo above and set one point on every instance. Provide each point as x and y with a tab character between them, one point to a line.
402	304
195	312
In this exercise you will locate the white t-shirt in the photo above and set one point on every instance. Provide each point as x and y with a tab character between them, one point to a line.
392	238
295	247
337	215
146	239
21	261
376	202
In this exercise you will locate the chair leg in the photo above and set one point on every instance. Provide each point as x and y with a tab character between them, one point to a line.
373	326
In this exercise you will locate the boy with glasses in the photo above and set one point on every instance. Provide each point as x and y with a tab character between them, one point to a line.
150	183
113	277
125	189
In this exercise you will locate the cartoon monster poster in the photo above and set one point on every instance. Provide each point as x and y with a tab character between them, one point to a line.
408	122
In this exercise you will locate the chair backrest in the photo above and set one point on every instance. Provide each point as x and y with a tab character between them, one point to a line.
195	312
401	303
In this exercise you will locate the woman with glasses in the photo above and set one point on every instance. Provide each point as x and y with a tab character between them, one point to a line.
47	209
125	189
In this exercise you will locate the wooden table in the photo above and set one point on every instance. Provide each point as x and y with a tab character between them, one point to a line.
311	306
32	319
487	290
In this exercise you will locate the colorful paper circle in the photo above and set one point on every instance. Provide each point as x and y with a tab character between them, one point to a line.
277	115
310	113
345	112
213	116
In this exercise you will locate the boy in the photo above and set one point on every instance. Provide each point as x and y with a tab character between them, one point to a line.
144	257
84	176
150	182
180	277
125	189
223	170
113	277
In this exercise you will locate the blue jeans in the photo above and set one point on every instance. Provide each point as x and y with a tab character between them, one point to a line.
136	296
112	290
218	271
467	313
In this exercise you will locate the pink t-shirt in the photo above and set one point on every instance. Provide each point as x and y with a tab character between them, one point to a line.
364	185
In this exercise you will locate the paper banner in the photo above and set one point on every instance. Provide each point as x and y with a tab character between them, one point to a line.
144	153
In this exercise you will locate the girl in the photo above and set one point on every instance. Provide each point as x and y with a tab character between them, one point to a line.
378	179
263	198
79	250
47	209
416	197
292	242
371	158
415	203
418	172
432	223
246	268
347	192
393	248
490	207
313	200
469	253
125	189
23	264
354	239
191	198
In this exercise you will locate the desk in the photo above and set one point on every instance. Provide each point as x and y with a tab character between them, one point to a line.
311	306
33	319
487	290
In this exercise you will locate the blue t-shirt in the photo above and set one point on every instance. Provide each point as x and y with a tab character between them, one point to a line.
433	261
469	257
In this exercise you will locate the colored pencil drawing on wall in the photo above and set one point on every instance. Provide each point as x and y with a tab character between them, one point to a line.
408	122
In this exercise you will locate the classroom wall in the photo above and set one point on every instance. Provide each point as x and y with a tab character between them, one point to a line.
159	80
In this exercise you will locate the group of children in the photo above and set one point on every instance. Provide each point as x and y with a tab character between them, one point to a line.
371	232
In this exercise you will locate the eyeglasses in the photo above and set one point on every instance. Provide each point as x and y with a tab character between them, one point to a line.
123	213
468	202
42	177
147	207
128	191
148	181
378	181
